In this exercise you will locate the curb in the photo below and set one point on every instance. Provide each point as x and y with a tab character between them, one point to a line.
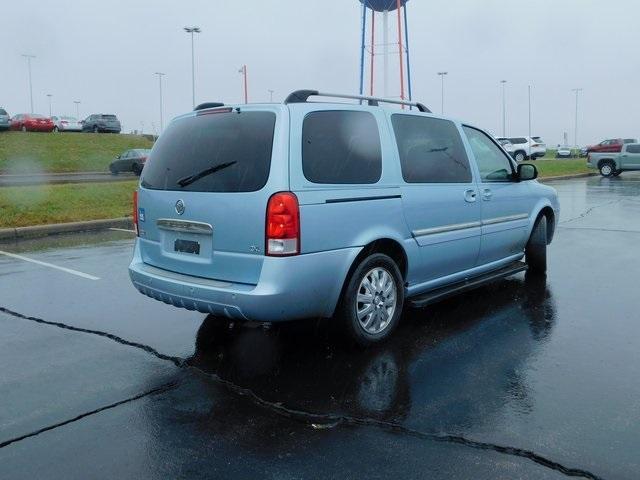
56	228
568	177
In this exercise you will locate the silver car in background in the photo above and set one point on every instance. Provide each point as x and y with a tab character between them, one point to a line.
66	124
4	119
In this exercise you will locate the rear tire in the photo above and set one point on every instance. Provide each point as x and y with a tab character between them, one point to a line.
55	129
607	169
372	300
24	129
113	170
536	249
96	130
136	169
520	156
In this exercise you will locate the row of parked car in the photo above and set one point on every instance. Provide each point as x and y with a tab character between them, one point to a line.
523	148
33	122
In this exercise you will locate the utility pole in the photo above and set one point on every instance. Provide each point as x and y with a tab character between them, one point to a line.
575	138
243	71
160	75
270	95
529	134
49	95
442	74
29	57
504	108
77	102
193	30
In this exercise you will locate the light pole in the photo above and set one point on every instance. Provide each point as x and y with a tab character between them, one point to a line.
270	95
529	141
160	75
29	57
243	71
575	138
193	30
442	74
504	108
49	95
77	102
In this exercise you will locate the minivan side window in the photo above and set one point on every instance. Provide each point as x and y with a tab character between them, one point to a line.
493	164
430	149
341	146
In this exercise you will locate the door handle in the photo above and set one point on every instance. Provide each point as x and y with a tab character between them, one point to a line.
470	196
487	194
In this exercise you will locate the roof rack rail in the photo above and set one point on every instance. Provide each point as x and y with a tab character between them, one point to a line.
301	96
202	106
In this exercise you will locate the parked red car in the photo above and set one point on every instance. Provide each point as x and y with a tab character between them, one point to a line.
31	122
611	145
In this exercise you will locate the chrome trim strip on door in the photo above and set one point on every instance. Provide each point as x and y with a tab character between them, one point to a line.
445	228
507	218
463	226
184	226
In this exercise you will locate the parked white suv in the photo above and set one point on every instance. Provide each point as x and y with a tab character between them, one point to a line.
525	148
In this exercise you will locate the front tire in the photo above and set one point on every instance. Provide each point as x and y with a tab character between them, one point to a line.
136	169
607	169
24	129
536	249
96	130
372	301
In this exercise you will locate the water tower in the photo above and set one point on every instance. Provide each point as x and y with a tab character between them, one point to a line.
388	48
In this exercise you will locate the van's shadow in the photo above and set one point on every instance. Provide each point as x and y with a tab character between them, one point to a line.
456	362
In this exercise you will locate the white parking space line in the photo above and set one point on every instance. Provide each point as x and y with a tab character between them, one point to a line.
121	229
45	264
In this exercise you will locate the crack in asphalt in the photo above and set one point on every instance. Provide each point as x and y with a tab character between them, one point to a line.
589	210
595	229
161	389
318	421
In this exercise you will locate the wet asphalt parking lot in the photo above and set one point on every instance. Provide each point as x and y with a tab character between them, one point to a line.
525	378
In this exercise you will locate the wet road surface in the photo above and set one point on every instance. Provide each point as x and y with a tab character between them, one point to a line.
525	378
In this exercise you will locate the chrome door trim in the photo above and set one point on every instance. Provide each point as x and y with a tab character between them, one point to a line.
445	228
464	226
184	226
507	218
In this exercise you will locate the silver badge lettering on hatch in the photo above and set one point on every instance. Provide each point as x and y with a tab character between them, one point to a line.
180	207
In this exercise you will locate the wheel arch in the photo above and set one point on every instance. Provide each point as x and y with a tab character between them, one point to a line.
385	245
550	215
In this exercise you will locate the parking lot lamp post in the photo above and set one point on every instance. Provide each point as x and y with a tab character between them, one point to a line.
270	95
504	108
192	30
529	141
575	138
442	74
160	75
29	57
77	102
49	95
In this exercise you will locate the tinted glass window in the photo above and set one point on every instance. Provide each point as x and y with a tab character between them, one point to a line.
633	149
493	164
518	140
108	117
431	150
3	111
341	147
630	140
239	144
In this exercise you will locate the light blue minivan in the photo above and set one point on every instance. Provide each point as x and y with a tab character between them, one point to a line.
274	212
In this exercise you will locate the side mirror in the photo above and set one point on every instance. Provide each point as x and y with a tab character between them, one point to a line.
526	171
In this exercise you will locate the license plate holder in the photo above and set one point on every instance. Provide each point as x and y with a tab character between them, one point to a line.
186	246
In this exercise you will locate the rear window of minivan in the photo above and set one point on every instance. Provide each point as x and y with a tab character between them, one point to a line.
234	147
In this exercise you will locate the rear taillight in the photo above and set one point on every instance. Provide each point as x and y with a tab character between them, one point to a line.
536	145
282	225
135	211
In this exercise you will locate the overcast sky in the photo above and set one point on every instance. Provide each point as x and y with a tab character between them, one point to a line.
105	54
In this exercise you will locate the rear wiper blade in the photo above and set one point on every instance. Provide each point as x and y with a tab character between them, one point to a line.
183	182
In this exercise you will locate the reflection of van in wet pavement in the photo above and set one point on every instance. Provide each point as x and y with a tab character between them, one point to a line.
280	212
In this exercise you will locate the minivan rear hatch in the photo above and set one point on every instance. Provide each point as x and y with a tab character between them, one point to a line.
204	190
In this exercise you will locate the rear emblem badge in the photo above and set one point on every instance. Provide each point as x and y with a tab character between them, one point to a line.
179	207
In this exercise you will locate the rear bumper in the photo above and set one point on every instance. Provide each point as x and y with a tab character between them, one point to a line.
289	288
